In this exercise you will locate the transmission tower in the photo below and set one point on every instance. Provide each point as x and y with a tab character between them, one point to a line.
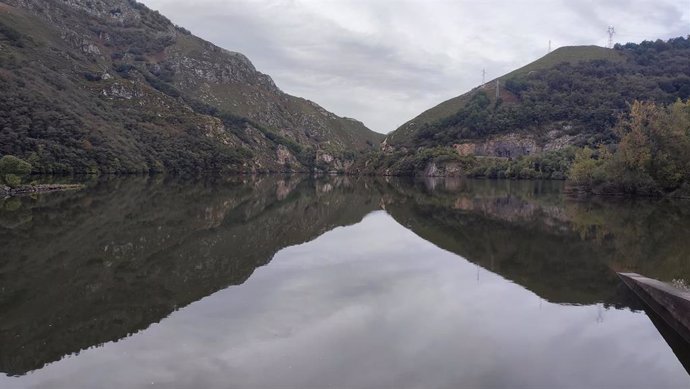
498	90
483	77
549	45
611	31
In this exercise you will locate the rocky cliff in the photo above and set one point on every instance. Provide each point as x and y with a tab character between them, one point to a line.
513	145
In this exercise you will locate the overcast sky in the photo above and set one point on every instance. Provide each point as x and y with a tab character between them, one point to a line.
384	62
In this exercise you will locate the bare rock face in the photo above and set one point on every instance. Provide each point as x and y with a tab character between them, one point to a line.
451	169
334	164
557	141
285	157
121	11
507	146
214	65
514	145
386	147
124	13
121	91
325	157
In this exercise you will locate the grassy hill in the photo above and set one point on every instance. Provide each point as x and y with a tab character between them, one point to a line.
578	91
112	86
568	54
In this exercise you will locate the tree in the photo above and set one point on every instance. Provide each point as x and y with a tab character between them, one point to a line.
12	170
652	156
635	148
585	169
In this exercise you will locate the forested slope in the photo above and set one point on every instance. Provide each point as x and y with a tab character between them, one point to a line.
571	96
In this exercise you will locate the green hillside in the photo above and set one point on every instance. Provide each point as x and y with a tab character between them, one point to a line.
568	54
577	90
112	86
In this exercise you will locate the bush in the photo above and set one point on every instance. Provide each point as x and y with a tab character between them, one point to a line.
652	157
14	165
12	169
12	180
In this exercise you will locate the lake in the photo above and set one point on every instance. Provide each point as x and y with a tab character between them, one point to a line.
340	282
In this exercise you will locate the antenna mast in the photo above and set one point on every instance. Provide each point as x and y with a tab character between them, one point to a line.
611	31
549	45
483	77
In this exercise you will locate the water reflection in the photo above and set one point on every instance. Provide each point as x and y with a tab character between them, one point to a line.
82	269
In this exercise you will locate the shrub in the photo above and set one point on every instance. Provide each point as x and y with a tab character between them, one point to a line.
12	180
652	157
14	165
12	169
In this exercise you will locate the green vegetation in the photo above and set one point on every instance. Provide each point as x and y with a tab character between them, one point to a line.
568	54
57	115
83	94
575	95
80	135
12	170
403	163
552	165
652	157
584	96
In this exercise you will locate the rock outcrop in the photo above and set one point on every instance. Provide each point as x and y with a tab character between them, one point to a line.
513	145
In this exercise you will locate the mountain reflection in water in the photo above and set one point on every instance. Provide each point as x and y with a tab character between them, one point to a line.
87	268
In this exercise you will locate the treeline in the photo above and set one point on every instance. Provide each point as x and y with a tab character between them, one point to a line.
551	165
402	163
651	158
587	95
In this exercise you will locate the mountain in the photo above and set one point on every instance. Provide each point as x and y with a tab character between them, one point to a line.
112	86
572	96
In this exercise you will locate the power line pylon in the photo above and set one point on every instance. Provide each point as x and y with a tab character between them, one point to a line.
611	31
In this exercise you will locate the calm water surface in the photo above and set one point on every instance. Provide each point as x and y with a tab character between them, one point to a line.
335	282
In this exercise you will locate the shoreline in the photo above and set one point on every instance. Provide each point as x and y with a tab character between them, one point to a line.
583	191
570	190
41	188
